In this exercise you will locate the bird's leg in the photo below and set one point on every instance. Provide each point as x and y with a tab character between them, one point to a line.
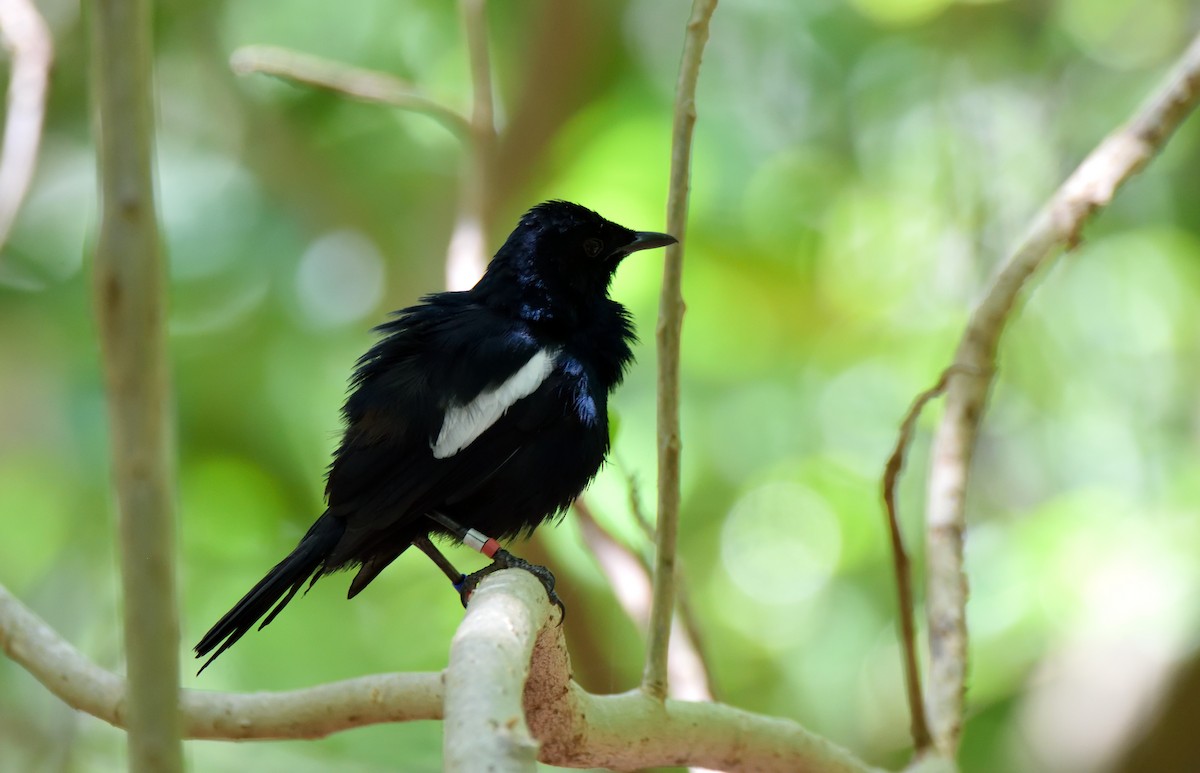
456	577
501	559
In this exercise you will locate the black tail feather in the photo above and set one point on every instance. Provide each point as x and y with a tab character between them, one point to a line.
280	585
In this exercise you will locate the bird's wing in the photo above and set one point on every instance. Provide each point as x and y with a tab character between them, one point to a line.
426	395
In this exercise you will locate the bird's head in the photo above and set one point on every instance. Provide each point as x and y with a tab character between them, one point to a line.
560	246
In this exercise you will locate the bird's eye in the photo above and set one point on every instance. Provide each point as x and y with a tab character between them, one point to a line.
592	247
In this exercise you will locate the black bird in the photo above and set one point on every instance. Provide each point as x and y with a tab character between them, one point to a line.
477	416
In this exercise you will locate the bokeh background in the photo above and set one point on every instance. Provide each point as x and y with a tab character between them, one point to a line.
860	167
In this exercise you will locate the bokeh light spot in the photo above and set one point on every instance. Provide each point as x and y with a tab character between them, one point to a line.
901	12
780	543
339	279
1124	33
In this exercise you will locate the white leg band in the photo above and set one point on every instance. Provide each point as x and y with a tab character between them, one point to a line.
475	540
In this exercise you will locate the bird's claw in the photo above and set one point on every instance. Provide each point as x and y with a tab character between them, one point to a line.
505	560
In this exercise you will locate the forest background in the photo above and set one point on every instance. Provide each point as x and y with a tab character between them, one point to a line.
859	170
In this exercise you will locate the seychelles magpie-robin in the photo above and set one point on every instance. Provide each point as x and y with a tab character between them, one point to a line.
477	416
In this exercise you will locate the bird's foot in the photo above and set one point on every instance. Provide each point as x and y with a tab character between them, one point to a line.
502	559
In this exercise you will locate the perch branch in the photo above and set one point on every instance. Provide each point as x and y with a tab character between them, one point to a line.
1057	226
573	727
486	676
31	48
356	82
129	287
670	326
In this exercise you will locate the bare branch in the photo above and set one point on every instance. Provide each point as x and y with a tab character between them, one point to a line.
355	82
633	730
635	502
573	727
485	679
483	121
311	713
35	646
1058	225
129	286
28	41
903	568
670	326
467	253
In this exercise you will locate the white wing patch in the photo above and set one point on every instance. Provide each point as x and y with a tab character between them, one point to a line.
464	423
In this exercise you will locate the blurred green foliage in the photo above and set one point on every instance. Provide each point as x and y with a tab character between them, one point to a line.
859	170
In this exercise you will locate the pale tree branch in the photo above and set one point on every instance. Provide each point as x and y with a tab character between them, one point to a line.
130	292
61	669
490	660
1057	226
314	712
670	326
31	48
355	82
486	676
467	254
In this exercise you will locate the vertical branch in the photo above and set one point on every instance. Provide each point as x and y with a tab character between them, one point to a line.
130	310
467	253
1058	225
670	325
902	570
486	727
29	44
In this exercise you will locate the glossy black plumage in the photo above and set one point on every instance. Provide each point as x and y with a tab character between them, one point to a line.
537	337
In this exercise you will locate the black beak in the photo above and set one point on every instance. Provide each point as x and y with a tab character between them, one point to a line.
648	240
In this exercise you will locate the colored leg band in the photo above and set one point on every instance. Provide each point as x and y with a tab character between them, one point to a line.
481	542
474	540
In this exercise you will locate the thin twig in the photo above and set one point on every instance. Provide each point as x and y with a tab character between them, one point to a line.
467	253
670	326
633	487
627	571
1058	225
28	41
903	568
129	286
629	575
366	85
696	650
